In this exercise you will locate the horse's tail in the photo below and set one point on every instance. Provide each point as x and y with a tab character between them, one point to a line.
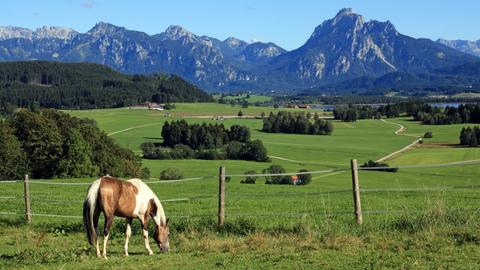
89	207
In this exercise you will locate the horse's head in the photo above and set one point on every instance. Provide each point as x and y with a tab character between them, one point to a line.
161	236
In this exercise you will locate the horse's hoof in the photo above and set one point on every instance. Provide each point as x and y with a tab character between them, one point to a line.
126	254
150	253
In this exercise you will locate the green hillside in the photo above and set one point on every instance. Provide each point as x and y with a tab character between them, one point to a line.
87	85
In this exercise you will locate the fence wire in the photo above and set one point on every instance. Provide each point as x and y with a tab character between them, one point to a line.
456	163
263	195
282	174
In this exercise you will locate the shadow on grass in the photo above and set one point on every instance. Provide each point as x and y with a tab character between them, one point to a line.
12	222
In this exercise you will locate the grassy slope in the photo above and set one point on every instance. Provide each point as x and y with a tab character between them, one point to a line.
403	239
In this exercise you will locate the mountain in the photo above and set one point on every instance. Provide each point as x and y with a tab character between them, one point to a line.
470	47
453	79
87	85
348	47
342	48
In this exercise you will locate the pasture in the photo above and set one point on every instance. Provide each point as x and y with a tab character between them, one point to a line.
416	218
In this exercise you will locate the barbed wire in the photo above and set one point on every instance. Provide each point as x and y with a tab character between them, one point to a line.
58	183
418	189
246	195
9	197
81	201
12	213
456	163
179	180
282	174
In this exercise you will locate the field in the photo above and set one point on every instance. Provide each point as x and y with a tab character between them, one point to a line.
416	218
251	99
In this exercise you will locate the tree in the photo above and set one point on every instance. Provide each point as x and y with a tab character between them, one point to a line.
234	150
41	140
239	133
280	179
240	114
249	179
304	178
171	174
255	150
13	163
77	157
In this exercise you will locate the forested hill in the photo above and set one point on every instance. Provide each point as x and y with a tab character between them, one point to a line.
86	85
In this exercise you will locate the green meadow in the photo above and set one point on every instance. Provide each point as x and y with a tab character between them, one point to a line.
416	218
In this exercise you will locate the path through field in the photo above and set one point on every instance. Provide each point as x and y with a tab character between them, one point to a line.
400	131
130	128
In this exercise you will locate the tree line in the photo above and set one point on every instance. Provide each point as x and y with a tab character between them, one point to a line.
86	86
51	144
296	123
351	113
465	113
201	141
470	136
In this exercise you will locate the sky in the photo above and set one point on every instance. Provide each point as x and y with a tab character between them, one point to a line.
287	23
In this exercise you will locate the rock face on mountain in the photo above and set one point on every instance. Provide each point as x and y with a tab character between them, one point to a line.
347	47
339	49
466	46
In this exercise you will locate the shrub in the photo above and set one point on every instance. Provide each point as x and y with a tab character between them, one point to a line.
470	136
384	166
148	150
234	150
171	174
145	173
255	150
280	180
249	179
210	154
181	151
428	134
304	179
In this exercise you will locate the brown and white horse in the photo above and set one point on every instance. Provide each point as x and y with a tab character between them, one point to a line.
129	199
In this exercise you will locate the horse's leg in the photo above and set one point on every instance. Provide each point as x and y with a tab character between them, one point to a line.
96	216
144	221
106	232
128	233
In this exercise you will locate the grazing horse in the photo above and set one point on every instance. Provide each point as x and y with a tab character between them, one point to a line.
129	199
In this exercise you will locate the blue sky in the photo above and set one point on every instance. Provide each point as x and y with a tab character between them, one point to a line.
287	23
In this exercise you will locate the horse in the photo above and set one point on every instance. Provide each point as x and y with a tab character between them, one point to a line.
129	199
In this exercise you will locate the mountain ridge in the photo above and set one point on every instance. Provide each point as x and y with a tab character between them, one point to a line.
342	48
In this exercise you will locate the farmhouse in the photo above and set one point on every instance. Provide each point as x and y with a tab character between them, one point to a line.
298	106
149	106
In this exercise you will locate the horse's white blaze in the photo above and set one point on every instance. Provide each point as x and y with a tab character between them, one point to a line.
145	194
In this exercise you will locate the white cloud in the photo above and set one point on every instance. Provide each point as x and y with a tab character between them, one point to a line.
88	4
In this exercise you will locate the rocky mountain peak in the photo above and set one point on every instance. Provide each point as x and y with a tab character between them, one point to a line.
55	32
103	28
176	32
8	32
234	43
344	12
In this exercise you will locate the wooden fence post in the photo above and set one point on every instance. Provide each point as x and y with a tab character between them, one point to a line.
26	195
356	192
221	198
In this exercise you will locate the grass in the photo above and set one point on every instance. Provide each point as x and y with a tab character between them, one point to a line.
252	99
414	219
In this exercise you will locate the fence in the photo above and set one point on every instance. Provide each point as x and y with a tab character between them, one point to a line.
356	205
